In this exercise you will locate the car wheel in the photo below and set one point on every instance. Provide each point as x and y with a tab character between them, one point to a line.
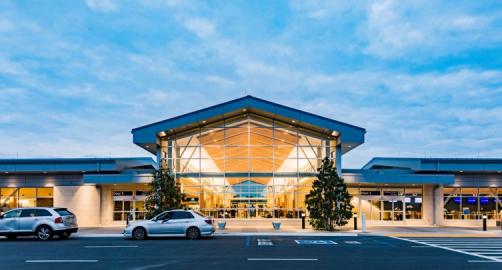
44	233
65	235
193	233
139	233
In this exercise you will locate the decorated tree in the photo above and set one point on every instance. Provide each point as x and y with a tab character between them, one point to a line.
165	193
328	202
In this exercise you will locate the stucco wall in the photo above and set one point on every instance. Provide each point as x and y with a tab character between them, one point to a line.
83	201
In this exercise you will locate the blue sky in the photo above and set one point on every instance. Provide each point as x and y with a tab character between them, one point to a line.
423	77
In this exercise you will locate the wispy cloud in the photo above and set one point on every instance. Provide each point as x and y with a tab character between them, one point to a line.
102	5
424	78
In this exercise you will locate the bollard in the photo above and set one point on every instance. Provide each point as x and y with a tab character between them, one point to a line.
484	222
363	222
303	221
355	222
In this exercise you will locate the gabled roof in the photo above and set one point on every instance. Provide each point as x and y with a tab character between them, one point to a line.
146	136
481	165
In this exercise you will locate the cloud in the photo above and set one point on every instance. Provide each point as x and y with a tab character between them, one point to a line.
203	28
394	29
105	6
379	65
5	25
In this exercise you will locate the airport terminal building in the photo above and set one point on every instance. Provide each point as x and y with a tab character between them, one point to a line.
249	161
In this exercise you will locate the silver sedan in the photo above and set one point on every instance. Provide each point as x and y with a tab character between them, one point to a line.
187	223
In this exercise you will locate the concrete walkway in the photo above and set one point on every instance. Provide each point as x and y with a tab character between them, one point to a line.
433	231
397	231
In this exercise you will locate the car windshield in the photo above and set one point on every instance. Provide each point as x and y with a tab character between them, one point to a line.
63	212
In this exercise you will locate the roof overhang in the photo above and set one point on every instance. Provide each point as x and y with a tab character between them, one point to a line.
443	165
147	136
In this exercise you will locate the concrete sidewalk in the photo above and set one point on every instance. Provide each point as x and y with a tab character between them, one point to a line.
397	231
116	231
433	231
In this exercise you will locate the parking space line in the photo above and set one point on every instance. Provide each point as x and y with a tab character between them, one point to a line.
282	259
464	249
479	261
61	261
111	246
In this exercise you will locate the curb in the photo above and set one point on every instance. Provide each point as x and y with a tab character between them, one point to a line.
117	235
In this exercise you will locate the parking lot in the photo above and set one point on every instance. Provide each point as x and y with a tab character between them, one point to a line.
253	252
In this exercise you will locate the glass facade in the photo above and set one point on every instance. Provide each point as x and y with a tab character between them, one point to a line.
246	167
129	204
389	203
25	197
472	203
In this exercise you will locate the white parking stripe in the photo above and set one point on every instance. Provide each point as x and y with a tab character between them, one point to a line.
281	259
446	247
111	246
61	261
477	261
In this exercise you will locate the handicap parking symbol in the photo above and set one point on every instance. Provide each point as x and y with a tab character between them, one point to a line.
315	242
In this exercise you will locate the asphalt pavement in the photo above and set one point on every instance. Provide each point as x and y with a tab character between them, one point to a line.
250	252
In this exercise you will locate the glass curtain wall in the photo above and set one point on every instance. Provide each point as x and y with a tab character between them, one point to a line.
472	203
246	167
25	197
388	204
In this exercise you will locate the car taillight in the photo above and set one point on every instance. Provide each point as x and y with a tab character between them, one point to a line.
58	220
209	221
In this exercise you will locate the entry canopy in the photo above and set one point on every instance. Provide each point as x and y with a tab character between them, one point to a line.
349	136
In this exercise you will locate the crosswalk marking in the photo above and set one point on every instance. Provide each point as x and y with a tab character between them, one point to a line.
264	242
353	242
488	249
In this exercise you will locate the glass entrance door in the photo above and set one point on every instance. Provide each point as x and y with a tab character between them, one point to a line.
127	203
392	209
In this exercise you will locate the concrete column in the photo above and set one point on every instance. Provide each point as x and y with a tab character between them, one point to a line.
428	205
106	216
438	197
83	201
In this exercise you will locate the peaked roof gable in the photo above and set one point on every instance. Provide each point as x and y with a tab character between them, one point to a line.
146	136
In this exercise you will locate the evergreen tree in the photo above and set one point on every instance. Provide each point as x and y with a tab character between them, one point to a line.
165	193
328	202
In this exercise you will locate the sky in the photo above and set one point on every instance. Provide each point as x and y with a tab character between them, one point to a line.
424	78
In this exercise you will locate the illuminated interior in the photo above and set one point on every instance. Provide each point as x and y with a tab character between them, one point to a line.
246	167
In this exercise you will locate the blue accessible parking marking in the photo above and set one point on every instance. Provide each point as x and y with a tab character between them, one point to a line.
315	242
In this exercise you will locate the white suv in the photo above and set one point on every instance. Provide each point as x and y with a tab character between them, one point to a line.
43	222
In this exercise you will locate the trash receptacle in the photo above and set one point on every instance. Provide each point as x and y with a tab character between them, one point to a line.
222	224
276	225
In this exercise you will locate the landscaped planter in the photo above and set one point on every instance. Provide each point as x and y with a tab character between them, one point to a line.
222	224
276	225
